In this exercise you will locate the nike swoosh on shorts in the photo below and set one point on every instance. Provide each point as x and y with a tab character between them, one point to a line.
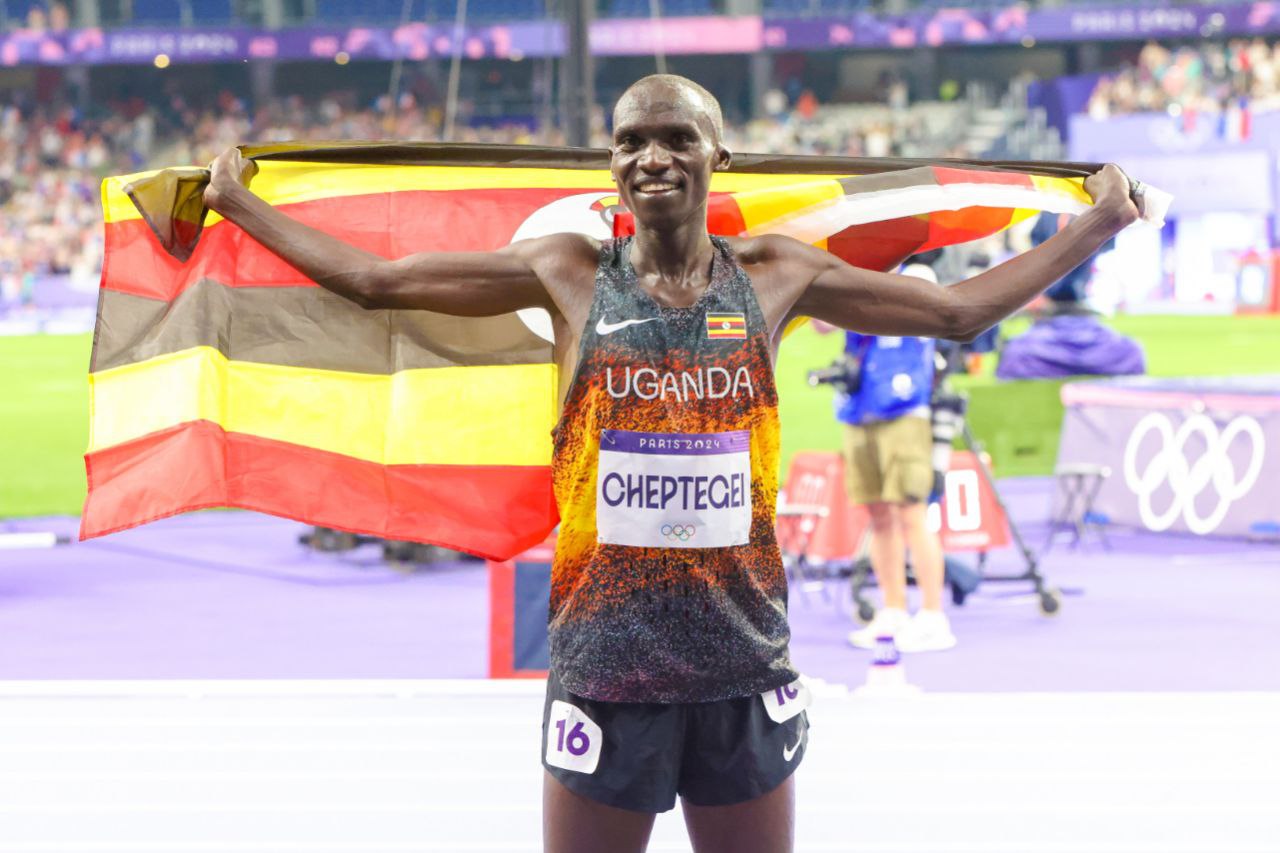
603	328
789	752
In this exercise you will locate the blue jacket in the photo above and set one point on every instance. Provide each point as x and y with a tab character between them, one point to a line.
897	378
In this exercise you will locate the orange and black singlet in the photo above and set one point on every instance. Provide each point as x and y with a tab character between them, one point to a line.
668	584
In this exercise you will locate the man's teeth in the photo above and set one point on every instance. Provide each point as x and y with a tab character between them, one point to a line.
656	188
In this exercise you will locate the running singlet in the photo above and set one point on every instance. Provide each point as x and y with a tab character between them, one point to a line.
668	584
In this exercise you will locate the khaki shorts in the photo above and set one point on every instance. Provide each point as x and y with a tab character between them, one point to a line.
889	461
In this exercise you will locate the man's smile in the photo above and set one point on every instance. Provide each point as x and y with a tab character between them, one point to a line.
654	188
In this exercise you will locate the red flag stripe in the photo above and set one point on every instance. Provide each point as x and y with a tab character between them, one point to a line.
501	510
387	224
949	175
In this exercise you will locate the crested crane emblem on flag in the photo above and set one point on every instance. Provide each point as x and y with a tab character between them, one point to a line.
222	377
726	326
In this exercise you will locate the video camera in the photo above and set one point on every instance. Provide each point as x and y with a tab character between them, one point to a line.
844	374
947	407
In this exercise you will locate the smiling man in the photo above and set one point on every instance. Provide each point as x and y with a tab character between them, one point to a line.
670	673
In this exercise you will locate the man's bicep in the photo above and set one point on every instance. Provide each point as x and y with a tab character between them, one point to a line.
475	284
829	289
877	303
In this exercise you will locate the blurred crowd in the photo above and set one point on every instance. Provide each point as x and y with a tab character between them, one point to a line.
1207	78
50	167
52	158
797	124
54	16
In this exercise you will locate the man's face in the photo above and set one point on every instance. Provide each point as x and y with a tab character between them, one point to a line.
664	151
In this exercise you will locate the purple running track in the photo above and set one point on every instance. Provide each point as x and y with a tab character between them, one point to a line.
233	595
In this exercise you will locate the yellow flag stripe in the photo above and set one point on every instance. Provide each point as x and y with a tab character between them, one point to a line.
283	182
764	206
499	415
1072	188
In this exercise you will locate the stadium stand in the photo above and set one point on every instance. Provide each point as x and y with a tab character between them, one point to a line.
341	11
52	155
13	13
41	14
186	12
34	14
640	8
1206	78
780	8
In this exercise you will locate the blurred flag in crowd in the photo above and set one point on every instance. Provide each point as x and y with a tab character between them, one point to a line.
1235	122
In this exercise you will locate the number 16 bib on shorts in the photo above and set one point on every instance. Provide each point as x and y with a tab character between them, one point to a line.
573	739
674	490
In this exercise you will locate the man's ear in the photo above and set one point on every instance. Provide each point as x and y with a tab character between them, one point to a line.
724	158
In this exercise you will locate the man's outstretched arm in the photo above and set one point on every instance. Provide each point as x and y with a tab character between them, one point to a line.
462	283
886	304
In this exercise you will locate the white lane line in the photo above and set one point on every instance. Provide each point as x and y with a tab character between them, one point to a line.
654	847
251	688
867	806
1218	776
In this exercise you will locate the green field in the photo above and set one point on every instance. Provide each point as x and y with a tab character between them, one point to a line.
1018	422
44	400
44	423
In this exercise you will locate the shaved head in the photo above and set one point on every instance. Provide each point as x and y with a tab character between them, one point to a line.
671	91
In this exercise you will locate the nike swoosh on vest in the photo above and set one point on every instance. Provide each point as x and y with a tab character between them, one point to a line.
603	328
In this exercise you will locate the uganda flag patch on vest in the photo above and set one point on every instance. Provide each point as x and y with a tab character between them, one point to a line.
726	326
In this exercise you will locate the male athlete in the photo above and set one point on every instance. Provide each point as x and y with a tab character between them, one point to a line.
670	672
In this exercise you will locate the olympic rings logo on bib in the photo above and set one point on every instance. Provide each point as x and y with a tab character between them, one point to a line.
682	532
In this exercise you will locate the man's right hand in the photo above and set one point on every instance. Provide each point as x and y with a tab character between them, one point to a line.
231	171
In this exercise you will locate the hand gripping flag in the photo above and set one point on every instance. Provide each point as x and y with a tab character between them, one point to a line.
223	377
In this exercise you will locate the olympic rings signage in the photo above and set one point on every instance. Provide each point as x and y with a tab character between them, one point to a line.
1213	472
678	532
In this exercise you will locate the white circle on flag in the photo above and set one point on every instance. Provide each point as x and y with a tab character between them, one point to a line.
573	215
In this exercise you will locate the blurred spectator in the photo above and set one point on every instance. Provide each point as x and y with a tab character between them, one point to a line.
1067	338
59	17
1207	78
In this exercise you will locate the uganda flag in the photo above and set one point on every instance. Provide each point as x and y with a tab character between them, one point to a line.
726	326
222	377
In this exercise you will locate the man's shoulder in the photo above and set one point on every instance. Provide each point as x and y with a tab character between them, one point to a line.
771	249
565	263
563	246
762	247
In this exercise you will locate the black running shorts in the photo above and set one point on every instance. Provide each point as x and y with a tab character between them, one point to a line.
639	756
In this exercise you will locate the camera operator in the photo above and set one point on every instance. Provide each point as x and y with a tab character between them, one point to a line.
885	384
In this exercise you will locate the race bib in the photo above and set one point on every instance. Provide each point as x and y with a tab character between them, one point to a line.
573	738
783	703
674	490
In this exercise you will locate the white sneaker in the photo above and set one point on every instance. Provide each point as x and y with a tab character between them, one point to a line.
928	631
888	622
